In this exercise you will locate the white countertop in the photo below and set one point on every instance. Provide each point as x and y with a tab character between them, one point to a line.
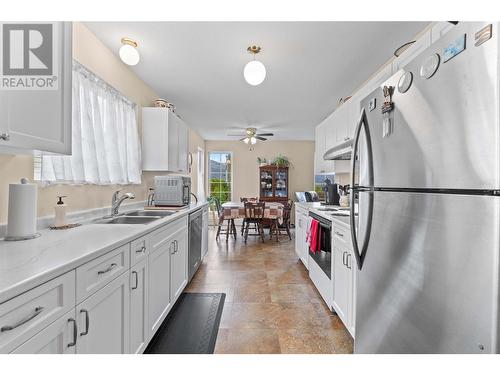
316	207
26	264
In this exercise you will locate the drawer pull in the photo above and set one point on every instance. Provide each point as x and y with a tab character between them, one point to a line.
141	250
113	265
87	322
37	312
75	328
136	280
339	234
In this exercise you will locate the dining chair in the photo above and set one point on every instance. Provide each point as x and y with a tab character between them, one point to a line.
230	228
244	200
254	214
278	228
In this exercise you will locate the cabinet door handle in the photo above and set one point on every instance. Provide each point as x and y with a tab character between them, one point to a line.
141	250
176	246
348	265
87	322
339	234
75	328
343	258
4	137
112	265
172	252
37	312
136	280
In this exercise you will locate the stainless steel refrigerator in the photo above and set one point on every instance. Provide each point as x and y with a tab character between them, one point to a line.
427	178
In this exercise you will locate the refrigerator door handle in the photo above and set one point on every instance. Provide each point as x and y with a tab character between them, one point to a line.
360	254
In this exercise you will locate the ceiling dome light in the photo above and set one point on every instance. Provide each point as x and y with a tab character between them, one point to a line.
254	71
128	52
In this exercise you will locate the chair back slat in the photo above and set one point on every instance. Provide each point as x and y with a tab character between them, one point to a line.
254	210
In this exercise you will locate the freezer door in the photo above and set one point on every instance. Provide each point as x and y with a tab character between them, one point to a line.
429	283
445	128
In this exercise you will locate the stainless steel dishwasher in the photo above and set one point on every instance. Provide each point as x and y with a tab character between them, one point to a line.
195	238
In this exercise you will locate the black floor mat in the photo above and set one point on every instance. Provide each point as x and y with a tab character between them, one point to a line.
191	327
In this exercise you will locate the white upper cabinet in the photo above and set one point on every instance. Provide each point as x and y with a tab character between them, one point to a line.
421	43
35	92
164	141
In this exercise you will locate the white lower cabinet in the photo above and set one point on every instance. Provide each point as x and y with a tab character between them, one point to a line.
301	228
159	285
122	299
139	305
104	319
178	264
58	338
344	298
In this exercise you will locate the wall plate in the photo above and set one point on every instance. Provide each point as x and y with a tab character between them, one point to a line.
454	48
430	66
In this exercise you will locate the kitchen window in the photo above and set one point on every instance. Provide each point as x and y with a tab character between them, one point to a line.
220	179
105	140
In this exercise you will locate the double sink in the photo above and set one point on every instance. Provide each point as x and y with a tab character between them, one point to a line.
135	217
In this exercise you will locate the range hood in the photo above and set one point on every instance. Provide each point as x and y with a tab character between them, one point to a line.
342	151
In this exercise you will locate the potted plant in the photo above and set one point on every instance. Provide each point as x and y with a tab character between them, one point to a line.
281	161
261	161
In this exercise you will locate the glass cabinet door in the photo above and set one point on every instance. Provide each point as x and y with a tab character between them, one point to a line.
266	184
281	190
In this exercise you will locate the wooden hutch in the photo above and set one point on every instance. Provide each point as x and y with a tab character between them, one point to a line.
273	184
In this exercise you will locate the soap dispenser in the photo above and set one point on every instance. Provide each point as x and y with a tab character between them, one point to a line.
60	210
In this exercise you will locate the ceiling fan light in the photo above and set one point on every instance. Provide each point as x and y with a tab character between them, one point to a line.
253	140
254	72
246	140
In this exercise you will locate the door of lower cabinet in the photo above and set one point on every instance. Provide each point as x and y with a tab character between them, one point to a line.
179	264
104	319
58	338
139	331
341	284
159	285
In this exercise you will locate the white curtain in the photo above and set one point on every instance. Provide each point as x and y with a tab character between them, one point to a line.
200	189
105	141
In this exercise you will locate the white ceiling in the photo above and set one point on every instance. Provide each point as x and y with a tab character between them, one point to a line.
198	66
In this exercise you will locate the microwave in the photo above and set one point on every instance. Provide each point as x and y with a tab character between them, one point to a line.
172	191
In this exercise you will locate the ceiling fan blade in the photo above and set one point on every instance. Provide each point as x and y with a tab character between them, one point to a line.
242	139
261	138
266	134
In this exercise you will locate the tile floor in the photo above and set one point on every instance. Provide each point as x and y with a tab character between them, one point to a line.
271	305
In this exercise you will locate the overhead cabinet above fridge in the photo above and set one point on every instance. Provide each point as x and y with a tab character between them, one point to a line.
164	141
35	87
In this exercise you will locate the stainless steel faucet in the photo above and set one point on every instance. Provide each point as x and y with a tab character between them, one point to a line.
116	201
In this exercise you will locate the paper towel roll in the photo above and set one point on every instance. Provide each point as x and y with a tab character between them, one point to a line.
21	222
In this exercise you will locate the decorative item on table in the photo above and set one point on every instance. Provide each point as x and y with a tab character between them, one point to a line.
21	221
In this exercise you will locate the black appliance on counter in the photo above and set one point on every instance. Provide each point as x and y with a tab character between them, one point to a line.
332	196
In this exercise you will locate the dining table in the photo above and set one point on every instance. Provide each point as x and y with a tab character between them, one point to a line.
236	210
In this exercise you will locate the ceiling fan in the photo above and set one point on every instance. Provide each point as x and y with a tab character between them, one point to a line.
251	136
